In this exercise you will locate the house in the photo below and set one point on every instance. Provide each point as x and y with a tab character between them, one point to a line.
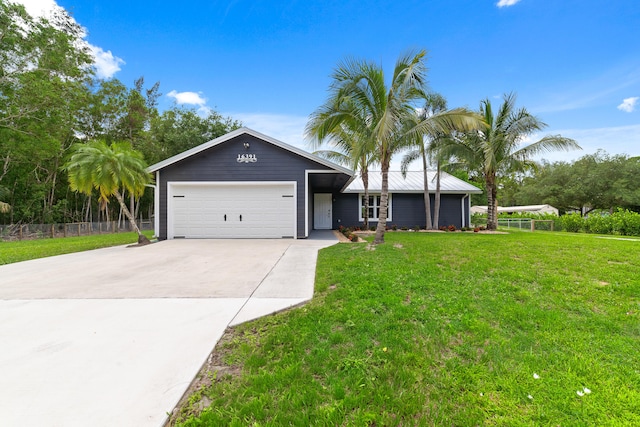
530	209
248	185
406	200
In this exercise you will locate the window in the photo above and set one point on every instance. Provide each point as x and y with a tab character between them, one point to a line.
374	207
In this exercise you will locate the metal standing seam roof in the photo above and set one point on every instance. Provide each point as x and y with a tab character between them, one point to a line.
413	183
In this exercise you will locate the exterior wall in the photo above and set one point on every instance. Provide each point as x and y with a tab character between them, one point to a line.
408	210
219	163
345	210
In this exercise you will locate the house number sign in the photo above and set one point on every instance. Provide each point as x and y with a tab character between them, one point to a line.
247	158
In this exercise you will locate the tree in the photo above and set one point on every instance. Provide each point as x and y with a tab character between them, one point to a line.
108	169
44	68
425	146
359	93
595	181
349	135
497	149
4	207
179	129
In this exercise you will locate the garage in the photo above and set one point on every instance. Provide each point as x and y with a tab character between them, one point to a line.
231	210
241	185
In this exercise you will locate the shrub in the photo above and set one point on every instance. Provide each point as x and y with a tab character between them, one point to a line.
571	222
625	222
598	224
451	227
348	232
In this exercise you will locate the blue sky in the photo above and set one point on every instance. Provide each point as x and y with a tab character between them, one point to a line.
575	64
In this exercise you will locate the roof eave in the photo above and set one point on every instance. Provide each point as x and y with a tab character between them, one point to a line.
244	130
375	190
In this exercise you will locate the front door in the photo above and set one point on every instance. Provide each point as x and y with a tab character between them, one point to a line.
322	206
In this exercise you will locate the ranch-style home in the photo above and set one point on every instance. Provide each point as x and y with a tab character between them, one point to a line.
248	185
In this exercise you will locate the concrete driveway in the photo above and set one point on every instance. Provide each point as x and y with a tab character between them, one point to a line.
115	336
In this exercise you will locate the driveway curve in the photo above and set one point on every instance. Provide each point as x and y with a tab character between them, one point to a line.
115	336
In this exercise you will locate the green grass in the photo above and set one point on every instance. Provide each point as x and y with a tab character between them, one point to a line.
31	249
438	329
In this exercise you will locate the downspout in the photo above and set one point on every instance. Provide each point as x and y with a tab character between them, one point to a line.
156	206
463	216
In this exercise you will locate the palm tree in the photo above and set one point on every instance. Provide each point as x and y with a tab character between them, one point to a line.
359	93
422	146
349	136
498	148
108	169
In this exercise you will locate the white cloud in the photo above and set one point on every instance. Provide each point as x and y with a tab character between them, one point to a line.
628	104
191	98
106	63
38	8
506	3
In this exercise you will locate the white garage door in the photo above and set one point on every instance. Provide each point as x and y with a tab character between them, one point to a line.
231	210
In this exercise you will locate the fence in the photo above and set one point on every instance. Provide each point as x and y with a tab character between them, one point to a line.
41	231
523	224
527	224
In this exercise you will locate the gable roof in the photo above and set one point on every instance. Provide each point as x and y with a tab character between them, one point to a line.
413	183
247	131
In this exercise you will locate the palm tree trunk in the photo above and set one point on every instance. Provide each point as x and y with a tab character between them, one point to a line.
365	183
384	204
427	197
142	239
436	208
492	208
132	206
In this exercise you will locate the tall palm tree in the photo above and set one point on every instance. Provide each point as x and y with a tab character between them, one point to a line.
108	169
349	136
498	148
359	93
422	145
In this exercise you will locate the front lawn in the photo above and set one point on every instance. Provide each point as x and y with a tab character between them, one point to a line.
525	329
31	249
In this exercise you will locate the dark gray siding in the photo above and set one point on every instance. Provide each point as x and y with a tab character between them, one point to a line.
345	210
408	210
219	163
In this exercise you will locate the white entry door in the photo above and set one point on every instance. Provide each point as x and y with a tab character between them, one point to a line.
322	207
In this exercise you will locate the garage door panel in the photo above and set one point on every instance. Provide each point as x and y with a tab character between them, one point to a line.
252	210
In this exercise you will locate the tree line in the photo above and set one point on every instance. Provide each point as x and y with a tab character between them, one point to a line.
596	181
50	99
